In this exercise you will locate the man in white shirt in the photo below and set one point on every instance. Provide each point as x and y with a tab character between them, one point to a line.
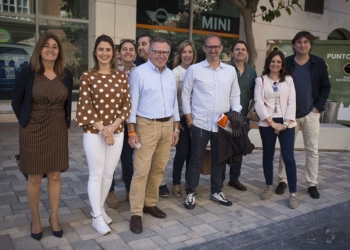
210	88
152	130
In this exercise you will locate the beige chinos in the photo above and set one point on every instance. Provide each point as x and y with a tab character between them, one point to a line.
310	127
150	162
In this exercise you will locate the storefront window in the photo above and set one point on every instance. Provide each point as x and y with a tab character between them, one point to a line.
19	33
74	38
17	40
170	19
17	6
65	8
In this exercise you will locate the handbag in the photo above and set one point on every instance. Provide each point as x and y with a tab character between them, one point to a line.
252	115
206	164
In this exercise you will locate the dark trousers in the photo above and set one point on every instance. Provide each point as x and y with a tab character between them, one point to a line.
235	169
183	152
199	141
127	162
286	140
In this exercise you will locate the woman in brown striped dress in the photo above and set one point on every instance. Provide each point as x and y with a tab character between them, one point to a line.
42	103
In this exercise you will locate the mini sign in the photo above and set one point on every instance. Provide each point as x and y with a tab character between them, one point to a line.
217	23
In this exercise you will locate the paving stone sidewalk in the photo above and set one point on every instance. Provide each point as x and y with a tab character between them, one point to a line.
181	228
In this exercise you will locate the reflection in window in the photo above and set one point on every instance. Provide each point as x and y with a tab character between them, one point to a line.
17	40
74	37
18	6
170	19
78	9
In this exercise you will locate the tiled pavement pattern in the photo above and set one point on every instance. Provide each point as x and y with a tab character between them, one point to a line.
181	228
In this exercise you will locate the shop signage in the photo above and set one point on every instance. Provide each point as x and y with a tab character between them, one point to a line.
4	36
161	16
220	23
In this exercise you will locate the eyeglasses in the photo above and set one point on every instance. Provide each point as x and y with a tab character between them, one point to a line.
216	47
275	88
158	52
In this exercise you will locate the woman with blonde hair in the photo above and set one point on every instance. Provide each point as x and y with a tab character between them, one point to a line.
185	56
103	106
42	103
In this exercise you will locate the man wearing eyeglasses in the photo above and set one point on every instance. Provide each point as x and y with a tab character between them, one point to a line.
210	88
152	130
143	44
312	89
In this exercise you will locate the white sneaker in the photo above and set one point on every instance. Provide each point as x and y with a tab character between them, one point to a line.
100	225
293	201
190	201
105	216
220	198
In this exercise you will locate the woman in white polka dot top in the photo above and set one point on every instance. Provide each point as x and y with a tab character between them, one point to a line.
104	104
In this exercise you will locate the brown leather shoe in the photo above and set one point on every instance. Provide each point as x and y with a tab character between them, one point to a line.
136	224
237	185
154	211
112	201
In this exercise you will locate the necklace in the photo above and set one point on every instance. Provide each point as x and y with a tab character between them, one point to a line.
50	75
274	86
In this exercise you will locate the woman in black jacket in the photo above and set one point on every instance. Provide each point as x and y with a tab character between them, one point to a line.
41	102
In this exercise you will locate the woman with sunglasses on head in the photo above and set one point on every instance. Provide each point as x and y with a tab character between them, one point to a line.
103	106
275	105
125	62
185	56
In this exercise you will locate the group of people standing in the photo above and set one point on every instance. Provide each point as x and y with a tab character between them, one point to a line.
132	107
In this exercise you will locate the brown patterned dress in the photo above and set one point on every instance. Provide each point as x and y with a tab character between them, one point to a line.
44	141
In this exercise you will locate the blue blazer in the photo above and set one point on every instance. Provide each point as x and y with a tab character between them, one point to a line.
22	95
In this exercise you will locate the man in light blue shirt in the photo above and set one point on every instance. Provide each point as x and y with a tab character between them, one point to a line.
210	88
152	130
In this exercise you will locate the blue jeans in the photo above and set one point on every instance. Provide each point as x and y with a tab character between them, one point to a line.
199	141
286	139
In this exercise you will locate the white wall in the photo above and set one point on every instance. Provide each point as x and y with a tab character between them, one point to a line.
336	15
115	18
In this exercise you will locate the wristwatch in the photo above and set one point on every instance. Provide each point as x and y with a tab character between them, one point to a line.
286	123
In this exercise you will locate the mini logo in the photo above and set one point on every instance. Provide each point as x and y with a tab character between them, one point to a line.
161	16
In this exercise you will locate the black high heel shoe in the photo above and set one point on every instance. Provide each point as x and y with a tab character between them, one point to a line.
37	236
58	234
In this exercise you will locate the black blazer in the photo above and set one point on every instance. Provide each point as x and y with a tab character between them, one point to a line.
22	95
231	146
321	86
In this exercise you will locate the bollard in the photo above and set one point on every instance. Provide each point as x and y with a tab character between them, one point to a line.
330	113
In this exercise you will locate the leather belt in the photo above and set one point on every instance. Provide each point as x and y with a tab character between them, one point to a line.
165	119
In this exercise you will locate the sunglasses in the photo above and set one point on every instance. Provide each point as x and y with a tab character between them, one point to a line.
127	40
275	88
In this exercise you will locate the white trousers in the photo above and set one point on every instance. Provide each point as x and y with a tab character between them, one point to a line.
310	127
102	161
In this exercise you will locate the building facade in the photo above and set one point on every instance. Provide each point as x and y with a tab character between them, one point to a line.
79	22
